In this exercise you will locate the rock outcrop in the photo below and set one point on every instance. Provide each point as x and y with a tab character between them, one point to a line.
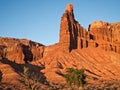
74	36
106	35
97	50
20	50
70	31
80	48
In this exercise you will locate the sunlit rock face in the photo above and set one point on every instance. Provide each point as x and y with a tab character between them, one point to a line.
69	8
107	35
20	50
72	36
97	50
100	34
70	30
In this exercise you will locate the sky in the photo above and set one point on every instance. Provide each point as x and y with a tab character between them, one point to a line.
39	20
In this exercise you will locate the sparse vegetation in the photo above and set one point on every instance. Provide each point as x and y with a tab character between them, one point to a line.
30	79
75	78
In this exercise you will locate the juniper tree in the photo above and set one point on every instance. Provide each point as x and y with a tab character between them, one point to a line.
75	77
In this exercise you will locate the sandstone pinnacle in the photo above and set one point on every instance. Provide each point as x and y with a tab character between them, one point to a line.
70	31
69	7
74	36
96	50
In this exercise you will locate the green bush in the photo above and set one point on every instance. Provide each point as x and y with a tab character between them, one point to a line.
75	77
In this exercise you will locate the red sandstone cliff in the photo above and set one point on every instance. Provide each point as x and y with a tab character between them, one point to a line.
83	49
106	35
72	36
20	50
71	33
97	50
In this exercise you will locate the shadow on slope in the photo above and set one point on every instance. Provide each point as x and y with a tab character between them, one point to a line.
18	68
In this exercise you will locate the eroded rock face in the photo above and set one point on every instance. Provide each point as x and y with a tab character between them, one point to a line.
69	8
15	53
100	34
2	53
20	50
70	30
106	35
72	36
115	32
80	46
101	31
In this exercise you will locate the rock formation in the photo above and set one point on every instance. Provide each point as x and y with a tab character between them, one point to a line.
80	48
70	31
74	36
97	50
20	50
106	35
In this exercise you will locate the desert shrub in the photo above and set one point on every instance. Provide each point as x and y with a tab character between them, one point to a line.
30	79
75	77
53	88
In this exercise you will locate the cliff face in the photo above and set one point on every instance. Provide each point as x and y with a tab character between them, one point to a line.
97	50
72	36
106	35
70	31
20	50
100	34
80	48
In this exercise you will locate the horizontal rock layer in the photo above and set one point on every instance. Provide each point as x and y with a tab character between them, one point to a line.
99	34
20	50
97	50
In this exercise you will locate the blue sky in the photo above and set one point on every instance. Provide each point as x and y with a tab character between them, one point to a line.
39	20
